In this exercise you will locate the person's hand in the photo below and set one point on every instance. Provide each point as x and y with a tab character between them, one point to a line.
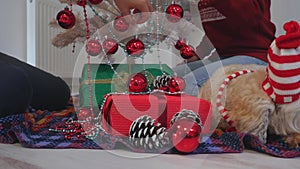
126	5
143	7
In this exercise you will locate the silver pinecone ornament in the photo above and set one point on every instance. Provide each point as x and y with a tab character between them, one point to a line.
187	114
161	81
145	134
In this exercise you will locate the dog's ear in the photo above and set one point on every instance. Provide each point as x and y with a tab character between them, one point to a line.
286	122
286	119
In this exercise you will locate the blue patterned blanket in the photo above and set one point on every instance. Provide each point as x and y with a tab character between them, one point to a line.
31	130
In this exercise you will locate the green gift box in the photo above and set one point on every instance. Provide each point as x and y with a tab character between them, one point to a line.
105	78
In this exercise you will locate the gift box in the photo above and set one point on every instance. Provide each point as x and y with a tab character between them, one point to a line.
105	79
120	110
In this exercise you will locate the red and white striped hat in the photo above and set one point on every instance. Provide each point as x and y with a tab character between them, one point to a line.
282	83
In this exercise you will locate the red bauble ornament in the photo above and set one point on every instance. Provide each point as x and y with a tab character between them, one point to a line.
175	13
187	52
93	47
135	47
138	83
81	2
66	19
180	43
95	2
176	84
110	46
121	24
185	135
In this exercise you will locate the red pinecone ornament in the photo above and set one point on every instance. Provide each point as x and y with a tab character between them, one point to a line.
187	51
135	47
110	46
120	24
93	47
175	13
138	83
66	19
95	2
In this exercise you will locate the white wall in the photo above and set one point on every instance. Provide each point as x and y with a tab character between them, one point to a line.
13	28
283	11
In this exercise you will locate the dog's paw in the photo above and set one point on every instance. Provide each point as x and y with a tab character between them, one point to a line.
293	140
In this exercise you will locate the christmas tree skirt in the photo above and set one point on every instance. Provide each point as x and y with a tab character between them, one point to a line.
32	130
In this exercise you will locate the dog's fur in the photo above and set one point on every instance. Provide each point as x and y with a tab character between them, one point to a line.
251	109
286	122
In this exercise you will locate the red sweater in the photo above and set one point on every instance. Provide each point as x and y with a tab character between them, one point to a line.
238	27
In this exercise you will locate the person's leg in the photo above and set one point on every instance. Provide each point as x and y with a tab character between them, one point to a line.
49	92
196	78
15	90
183	69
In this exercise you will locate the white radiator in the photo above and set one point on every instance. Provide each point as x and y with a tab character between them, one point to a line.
59	61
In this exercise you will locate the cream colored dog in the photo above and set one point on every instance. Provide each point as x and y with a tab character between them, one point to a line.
286	122
249	107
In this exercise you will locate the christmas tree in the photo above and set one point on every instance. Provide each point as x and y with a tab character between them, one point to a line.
97	14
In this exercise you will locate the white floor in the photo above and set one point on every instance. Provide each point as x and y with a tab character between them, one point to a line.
16	157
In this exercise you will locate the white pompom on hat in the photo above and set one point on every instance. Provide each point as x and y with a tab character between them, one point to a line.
282	83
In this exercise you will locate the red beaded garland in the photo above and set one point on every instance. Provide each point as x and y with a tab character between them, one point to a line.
185	135
175	13
135	47
66	19
95	2
176	84
138	83
120	24
81	2
71	129
93	47
110	46
187	51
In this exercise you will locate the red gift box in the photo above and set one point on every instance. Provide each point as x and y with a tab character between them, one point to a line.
120	110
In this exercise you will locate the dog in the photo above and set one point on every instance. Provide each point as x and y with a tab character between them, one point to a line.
249	107
265	100
286	122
